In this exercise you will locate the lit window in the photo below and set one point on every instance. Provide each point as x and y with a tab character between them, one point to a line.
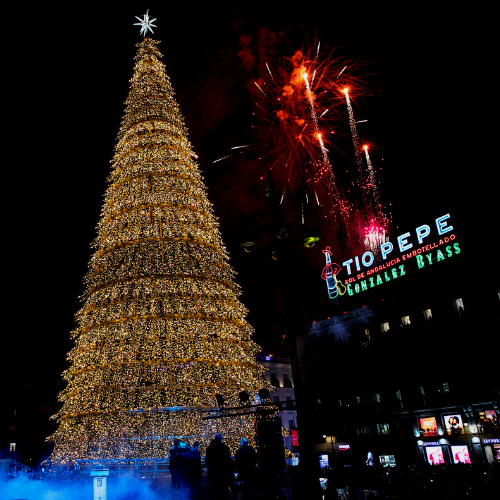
399	398
427	314
405	320
358	400
339	402
376	397
363	430
384	327
383	428
12	447
458	305
367	334
421	392
446	387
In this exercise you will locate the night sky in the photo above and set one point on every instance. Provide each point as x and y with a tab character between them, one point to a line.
68	74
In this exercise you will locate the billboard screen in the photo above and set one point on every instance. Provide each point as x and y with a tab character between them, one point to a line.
453	424
428	426
434	455
460	454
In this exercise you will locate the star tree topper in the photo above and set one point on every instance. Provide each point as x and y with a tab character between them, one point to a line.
146	23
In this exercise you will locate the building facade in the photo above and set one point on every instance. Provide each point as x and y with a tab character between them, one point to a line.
408	376
279	375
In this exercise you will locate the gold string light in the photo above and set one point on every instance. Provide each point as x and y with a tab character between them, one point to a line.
161	330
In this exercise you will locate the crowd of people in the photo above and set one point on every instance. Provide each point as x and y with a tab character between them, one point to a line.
228	475
223	472
425	482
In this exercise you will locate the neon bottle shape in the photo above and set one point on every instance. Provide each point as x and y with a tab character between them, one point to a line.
329	274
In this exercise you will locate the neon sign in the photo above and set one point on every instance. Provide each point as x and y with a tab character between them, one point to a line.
368	276
329	274
386	248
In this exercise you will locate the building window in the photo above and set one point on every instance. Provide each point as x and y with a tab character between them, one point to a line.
358	400
405	320
421	393
291	424
446	387
12	447
458	305
383	429
274	380
384	327
276	398
376	398
367	335
427	314
289	398
363	430
399	398
339	402
286	381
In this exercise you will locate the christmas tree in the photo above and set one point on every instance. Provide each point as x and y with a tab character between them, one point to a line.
161	330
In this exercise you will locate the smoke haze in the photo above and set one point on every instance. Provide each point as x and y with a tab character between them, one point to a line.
124	488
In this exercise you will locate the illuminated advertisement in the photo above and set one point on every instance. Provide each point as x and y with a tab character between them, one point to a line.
488	420
434	455
329	274
362	272
453	424
295	437
460	454
428	426
387	460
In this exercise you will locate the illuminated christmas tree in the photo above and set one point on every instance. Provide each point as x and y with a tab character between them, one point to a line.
161	330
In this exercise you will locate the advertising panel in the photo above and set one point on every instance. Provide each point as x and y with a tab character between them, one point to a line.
434	455
384	261
453	424
387	460
460	454
428	426
488	420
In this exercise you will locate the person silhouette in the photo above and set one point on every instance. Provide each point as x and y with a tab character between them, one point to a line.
219	467
245	461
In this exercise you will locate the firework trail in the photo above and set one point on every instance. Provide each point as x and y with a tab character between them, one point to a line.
374	224
354	135
371	176
327	167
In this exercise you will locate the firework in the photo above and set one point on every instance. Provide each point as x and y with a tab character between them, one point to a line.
297	108
300	123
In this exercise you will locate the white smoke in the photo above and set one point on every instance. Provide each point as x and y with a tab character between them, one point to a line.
123	488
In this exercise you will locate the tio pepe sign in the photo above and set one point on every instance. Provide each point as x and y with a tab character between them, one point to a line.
362	274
